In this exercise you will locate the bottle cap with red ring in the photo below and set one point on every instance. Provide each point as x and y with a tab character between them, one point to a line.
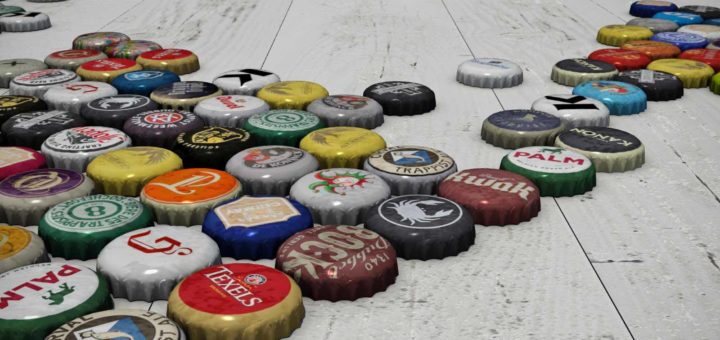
710	57
338	262
73	96
72	59
230	110
621	59
646	9
655	25
160	127
36	83
172	59
271	169
98	41
211	146
113	111
12	105
493	197
657	85
74	148
131	49
16	159
31	129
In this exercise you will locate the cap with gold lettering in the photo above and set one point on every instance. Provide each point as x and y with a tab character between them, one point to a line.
295	95
105	70
171	59
12	105
611	150
342	146
411	169
211	146
131	49
20	247
693	74
16	159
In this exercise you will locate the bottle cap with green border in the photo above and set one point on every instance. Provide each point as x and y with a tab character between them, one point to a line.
120	324
611	150
41	297
282	127
79	228
555	171
411	169
616	35
20	247
715	84
513	129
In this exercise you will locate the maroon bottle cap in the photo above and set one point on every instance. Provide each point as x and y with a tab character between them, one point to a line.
338	262
494	197
17	159
160	127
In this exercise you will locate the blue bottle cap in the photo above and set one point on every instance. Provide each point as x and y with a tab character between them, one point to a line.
679	18
143	82
715	22
255	227
646	9
683	40
621	98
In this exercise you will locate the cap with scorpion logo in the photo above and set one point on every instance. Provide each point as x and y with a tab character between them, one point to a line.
113	111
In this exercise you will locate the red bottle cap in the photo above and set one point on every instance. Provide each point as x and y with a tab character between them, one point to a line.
17	159
710	57
622	59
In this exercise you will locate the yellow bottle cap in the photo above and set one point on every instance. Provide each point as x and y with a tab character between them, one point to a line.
692	73
715	84
106	69
616	35
291	94
342	146
171	59
126	171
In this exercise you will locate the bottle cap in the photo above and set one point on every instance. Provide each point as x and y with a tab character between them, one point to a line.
143	82
146	264
693	74
422	227
72	59
684	41
211	146
36	83
225	301
113	111
12	105
32	128
16	159
611	150
489	73
513	129
616	35
271	169
47	295
706	12
79	228
26	196
184	95
254	227
646	9
293	95
411	169
402	98
230	110
621	98
715	45
282	127
171	59
348	110
709	32
658	86
679	18
126	171
160	127
493	197
555	171
11	68
183	197
339	262
339	195
715	22
654	49
98	41
570	72
24	22
342	146
106	70
135	323
621	59
246	81
131	49
73	96
710	57
655	25
74	148
574	110
715	84
11	9
20	247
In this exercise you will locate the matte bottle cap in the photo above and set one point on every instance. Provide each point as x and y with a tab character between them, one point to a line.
146	264
710	57
230	110
706	12
339	195
282	127
245	81
342	146
693	74
271	169
137	322
715	84
679	18
12	105
143	82
131	49
611	150
79	228
32	128
512	129
211	146
489	73
348	110
36	83
493	197
658	86
648	8
655	25
160	127
654	49
293	95
73	96
402	98
72	59
26	196
184	95
74	148
106	70
255	227
616	35
11	68
709	32
16	159
684	41
411	169
574	110
20	247
113	111
172	59
24	22
621	98
98	41
621	59
423	227
339	262
570	72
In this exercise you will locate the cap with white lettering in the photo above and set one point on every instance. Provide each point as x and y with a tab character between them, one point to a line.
348	110
570	72
74	148
611	150
657	85
211	146
113	111
20	247
160	127
411	169
138	323
511	129
72	59
106	70
282	127
402	98
622	59
247	81
489	73
680	18
32	128
143	82
24	22
230	110
574	110
184	95
271	169
36	83
73	96
11	68
683	40
172	59
17	159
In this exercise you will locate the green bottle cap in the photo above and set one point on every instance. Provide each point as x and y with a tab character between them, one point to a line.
282	127
557	172
39	298
81	227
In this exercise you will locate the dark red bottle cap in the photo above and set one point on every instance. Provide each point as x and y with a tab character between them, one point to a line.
622	59
160	127
710	57
493	197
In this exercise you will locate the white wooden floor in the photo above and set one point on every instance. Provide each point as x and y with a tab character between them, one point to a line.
635	258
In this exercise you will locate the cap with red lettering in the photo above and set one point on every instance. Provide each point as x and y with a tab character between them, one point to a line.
237	300
146	264
493	197
138	323
621	59
211	146
16	159
160	127
230	110
131	49
171	59
348	110
710	57
32	128
402	98
184	95
36	83
338	262
411	169
113	111
98	41
20	247
41	297
73	96
12	105
574	110
512	129
255	227
657	85
611	150
74	148
106	70
72	59
271	169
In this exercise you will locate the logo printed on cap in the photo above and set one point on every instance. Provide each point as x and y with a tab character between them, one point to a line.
164	244
274	157
13	155
164	117
142	75
248	212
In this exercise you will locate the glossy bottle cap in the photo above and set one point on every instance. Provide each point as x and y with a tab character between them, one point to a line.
73	96
211	146
706	12
684	41
411	169
709	32
710	57
16	159
348	110
611	150
293	95
658	86
693	74
24	22
282	127
131	49
621	98
98	41
512	129
247	81
72	59
113	111
402	98
106	70
135	321
20	247
621	59
12	105
646	9
11	68
342	146
171	59
679	18
616	35
489	73
160	127
574	110
230	110
36	83
655	25
32	128
74	148
715	84
143	82
184	95
570	72
654	49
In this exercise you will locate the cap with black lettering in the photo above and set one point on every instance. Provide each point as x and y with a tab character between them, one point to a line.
611	150
211	146
184	95
570	72
160	127
574	110
230	110
138	323
657	85
36	83
402	98
113	111
411	169
247	81
32	128
513	129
